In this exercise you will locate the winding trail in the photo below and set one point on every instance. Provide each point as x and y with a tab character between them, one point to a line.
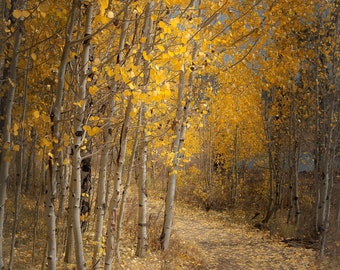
226	245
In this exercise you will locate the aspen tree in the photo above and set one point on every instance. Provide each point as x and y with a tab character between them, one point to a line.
171	186
11	85
116	196
101	200
19	166
100	206
126	186
78	140
142	199
328	61
55	119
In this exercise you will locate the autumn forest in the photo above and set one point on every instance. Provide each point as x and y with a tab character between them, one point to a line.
131	130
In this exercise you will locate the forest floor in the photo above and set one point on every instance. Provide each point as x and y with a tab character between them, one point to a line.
227	245
201	240
212	240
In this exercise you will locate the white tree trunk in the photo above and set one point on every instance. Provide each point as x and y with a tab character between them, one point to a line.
100	207
126	188
101	198
78	140
55	118
170	195
114	202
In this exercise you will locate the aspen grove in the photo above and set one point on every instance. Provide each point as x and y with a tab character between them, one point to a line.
112	113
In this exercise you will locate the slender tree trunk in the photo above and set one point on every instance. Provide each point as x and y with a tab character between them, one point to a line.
142	210
78	141
271	160
101	198
6	139
290	177
180	127
55	119
69	229
126	188
101	202
65	183
170	196
20	169
235	169
142	198
116	196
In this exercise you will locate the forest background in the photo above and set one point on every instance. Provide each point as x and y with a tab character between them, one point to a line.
232	104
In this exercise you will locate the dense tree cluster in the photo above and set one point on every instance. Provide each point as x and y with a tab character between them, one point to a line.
233	103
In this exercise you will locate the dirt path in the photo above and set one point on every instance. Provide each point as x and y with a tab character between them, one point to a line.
225	245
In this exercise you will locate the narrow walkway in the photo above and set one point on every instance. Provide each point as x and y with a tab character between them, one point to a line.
237	247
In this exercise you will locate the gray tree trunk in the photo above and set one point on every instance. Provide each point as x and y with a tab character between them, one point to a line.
11	84
78	141
142	198
51	186
116	196
171	187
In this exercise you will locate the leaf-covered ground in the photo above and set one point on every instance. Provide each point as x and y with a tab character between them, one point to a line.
210	240
226	245
201	240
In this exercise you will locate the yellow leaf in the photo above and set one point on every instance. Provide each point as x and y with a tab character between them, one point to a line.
139	10
93	89
79	104
36	114
94	118
46	142
83	147
15	129
160	47
66	161
25	13
96	61
86	128
34	56
162	24
16	147
133	112
94	131
8	156
127	93
142	40
102	19
146	56
66	139
174	172
20	13
6	145
131	85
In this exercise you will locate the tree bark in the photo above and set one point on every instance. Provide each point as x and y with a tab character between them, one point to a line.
78	141
11	83
142	197
53	163
126	188
115	199
171	187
